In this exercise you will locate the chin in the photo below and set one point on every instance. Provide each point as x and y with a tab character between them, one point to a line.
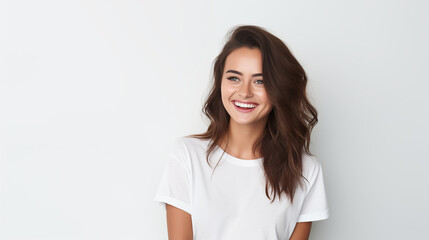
244	122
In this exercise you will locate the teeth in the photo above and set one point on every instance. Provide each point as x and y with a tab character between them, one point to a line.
244	105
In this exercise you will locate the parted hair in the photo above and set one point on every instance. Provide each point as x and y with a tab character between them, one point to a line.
290	122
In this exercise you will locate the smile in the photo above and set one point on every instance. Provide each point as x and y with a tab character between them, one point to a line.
244	107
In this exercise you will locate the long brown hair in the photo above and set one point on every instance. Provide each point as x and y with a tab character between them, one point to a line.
289	125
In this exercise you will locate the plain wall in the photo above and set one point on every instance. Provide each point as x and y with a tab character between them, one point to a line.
92	93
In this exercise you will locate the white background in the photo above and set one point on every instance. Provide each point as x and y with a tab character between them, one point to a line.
92	93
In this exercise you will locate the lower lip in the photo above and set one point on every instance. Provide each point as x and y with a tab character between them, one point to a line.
244	110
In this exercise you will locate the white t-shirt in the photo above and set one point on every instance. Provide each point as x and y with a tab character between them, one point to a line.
232	204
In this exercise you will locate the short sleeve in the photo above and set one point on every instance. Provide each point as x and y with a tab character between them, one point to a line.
315	206
174	187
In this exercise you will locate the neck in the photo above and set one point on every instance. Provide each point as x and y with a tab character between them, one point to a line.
241	138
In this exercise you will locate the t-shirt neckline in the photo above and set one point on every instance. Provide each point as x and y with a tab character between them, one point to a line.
239	161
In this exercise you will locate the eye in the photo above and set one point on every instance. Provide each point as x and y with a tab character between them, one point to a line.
230	78
259	81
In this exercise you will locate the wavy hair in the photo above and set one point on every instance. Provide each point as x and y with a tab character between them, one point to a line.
289	125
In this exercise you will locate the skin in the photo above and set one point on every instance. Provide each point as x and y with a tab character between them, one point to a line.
301	231
179	224
244	129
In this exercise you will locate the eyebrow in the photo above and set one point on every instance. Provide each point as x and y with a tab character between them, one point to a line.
239	73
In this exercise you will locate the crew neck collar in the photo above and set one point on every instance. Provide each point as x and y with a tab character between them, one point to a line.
239	161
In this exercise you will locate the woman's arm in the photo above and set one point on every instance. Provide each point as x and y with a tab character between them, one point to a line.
301	231
179	224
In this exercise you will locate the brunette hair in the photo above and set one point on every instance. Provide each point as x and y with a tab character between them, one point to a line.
289	125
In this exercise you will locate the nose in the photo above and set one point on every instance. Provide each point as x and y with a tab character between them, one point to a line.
245	90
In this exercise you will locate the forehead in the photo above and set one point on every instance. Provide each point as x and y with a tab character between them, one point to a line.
244	59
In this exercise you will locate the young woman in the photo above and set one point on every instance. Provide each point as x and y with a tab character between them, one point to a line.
266	184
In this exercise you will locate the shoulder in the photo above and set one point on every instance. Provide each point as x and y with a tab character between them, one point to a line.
184	148
188	144
311	167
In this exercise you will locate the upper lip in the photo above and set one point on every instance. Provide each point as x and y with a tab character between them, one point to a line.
245	102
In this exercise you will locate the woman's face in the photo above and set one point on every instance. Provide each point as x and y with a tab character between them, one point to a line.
242	82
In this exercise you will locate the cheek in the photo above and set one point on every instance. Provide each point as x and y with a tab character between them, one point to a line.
224	94
226	91
267	100
222	91
262	94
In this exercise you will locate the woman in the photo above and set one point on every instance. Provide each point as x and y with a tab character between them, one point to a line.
267	184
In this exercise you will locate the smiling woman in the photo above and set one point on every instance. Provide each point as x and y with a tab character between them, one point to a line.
261	122
243	91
